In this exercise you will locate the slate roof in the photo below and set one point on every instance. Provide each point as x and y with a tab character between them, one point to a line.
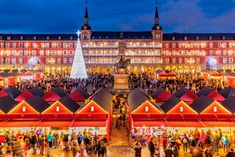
60	92
24	96
204	91
227	91
201	103
39	36
229	103
136	98
13	92
181	92
124	35
170	103
161	95
36	91
38	103
69	103
121	35
103	98
7	103
198	36
83	92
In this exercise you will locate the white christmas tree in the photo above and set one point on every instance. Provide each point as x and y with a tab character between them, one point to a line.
78	67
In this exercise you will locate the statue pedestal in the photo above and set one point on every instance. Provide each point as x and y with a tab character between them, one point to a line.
121	82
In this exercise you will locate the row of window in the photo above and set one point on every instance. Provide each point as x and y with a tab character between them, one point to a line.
36	53
200	45
37	45
185	53
47	61
182	61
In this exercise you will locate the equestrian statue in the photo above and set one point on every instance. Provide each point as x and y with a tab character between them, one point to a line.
121	66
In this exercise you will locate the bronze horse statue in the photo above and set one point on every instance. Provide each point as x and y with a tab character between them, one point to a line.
122	64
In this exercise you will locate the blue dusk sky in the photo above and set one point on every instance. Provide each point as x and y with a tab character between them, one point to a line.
66	16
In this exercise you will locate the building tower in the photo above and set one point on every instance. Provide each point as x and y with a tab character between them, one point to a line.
157	29
86	28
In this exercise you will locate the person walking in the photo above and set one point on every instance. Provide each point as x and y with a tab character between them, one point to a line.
151	148
50	139
137	149
33	141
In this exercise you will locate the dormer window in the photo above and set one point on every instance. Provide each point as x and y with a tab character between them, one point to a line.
34	38
215	109
173	38
146	109
71	38
181	109
185	38
210	37
59	37
197	37
8	38
23	109
48	38
57	109
223	37
92	109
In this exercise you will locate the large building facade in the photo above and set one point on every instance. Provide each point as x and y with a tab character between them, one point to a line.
149	50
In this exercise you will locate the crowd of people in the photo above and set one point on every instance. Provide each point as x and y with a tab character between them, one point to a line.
42	141
147	82
197	143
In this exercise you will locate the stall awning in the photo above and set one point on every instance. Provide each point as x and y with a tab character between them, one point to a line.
19	124
149	123
54	124
218	124
89	124
184	124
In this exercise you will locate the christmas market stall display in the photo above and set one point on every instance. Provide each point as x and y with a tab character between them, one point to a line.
96	114
145	117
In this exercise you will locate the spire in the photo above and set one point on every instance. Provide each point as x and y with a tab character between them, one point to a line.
86	19
156	18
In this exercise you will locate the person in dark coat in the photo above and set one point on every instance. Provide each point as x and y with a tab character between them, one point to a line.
151	148
231	153
168	152
137	149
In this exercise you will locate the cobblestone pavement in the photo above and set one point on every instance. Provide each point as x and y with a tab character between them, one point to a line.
115	151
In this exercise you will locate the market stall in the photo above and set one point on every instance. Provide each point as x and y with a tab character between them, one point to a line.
61	110
96	114
210	110
177	110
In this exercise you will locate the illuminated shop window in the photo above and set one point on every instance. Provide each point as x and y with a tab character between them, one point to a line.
181	109
23	109
215	109
146	109
92	109
57	109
